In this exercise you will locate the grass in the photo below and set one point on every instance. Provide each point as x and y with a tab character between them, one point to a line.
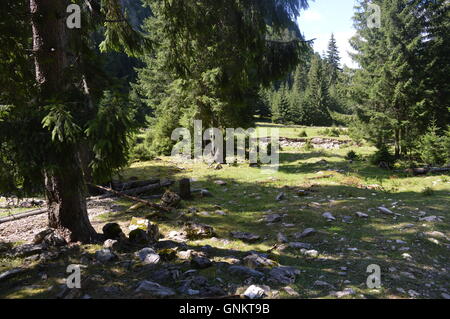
336	186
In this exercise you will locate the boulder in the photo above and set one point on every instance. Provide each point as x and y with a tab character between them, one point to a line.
329	216
154	289
147	226
198	231
283	275
307	232
112	231
111	244
139	237
245	237
148	256
244	271
255	261
254	292
105	255
170	199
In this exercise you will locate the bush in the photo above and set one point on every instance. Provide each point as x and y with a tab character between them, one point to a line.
303	134
333	132
308	146
352	156
433	149
383	158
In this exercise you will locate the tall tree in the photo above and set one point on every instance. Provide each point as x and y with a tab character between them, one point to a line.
333	58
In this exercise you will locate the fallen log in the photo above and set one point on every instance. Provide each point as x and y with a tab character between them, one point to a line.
120	186
136	199
23	215
426	170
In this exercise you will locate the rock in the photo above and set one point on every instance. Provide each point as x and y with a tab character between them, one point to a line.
147	226
112	231
282	239
111	244
297	245
361	215
177	236
431	219
198	231
310	253
291	292
406	256
201	262
220	182
154	289
273	218
283	275
307	232
244	271
139	237
39	237
280	197
148	256
408	275
205	193
105	255
385	211
445	296
254	292
321	283
345	292
413	293
329	216
170	199
347	219
245	237
255	261
11	273
27	250
185	255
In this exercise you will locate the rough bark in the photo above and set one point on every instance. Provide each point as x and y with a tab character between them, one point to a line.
65	187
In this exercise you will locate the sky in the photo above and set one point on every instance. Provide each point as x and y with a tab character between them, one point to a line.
325	17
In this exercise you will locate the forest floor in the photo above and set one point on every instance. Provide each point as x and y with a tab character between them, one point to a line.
411	246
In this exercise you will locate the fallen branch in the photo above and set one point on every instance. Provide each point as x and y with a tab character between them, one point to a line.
426	170
136	199
119	186
22	215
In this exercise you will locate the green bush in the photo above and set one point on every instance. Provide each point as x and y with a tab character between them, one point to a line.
303	134
352	156
434	149
383	157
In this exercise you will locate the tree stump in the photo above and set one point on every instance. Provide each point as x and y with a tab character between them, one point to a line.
185	188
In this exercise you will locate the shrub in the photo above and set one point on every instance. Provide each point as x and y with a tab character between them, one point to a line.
383	158
308	146
352	156
432	147
303	134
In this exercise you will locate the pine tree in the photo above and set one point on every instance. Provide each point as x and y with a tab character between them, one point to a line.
333	59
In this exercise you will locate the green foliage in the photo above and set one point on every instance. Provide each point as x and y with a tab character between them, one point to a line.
383	158
433	148
303	134
352	156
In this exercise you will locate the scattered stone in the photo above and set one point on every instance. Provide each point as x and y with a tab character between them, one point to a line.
244	271
11	273
170	199
436	234
307	232
445	296
177	236
201	262
406	256
361	215
111	244
205	193
154	289
347	219
283	275
139	237
291	291
280	197
151	229
112	231
105	255
408	275
198	231
148	256
39	237
220	182
282	239
310	253
273	218
245	237
297	245
413	293
329	216
255	261
321	283
220	213
431	219
254	292
345	292
288	225
385	211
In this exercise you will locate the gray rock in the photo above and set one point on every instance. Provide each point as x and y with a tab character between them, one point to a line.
201	262
280	197
39	237
307	232
329	216
139	237
105	255
385	211
297	245
345	292
254	292
282	239
198	231
431	219
154	289
273	218
255	261
321	283
111	244
148	256
245	237
445	296
361	215
244	271
283	275
310	253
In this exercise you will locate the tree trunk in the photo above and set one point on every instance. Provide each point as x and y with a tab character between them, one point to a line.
64	183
